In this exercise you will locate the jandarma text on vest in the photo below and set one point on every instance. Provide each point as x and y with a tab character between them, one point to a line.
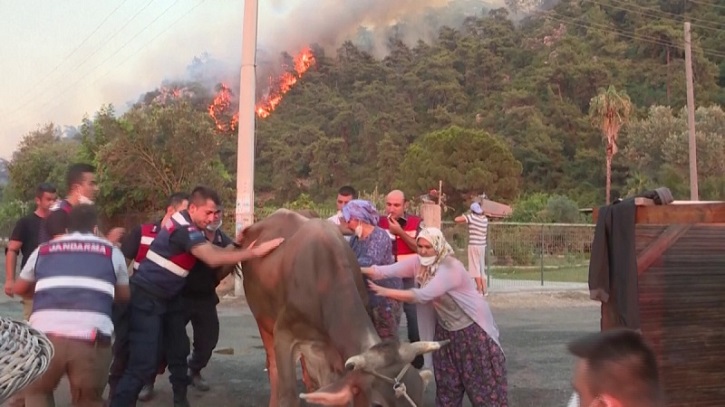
82	247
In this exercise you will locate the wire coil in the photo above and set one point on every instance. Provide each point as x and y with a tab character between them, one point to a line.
25	354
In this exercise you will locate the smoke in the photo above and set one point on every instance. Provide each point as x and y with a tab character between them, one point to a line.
366	22
287	26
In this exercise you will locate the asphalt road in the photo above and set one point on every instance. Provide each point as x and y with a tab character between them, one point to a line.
534	330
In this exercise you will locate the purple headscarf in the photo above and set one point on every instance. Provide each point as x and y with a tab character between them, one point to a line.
361	210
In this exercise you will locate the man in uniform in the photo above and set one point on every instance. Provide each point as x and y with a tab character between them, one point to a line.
76	277
25	239
156	306
403	228
82	189
134	248
200	301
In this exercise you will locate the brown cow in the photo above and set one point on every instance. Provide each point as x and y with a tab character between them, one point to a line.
309	300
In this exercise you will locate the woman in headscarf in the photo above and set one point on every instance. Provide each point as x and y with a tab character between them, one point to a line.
373	247
450	307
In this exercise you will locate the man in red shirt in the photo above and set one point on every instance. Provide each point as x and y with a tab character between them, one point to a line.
403	228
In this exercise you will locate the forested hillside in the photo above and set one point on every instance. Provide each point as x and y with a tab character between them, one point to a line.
488	106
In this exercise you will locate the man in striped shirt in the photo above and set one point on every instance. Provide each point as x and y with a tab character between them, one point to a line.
77	277
477	231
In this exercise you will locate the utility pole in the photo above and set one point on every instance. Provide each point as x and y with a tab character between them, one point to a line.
244	211
694	193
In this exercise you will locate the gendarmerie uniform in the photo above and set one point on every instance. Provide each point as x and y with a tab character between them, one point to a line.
156	310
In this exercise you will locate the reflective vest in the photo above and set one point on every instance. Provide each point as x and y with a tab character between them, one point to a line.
149	231
163	271
75	280
400	248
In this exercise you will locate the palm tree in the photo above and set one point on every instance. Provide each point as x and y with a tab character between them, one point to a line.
609	111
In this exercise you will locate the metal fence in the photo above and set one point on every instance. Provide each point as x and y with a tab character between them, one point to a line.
518	255
521	255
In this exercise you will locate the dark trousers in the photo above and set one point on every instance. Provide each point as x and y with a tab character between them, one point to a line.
149	318
121	323
202	314
411	316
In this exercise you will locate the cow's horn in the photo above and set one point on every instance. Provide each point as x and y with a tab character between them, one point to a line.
356	362
425	347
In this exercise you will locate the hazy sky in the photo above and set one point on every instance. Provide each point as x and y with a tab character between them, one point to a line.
62	59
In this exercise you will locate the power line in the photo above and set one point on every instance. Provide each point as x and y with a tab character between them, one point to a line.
677	18
149	42
55	97
104	41
114	54
700	3
64	59
625	34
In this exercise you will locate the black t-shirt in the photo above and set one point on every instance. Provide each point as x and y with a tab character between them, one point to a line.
201	281
27	232
131	243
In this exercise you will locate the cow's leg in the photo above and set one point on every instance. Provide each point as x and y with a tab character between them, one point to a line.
284	356
271	364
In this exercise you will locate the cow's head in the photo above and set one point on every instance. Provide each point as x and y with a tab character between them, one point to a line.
387	359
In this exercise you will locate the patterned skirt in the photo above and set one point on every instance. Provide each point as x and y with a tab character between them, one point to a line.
386	314
472	363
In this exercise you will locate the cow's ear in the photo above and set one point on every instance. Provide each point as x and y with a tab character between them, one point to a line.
338	393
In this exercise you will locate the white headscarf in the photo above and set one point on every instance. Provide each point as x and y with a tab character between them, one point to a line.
442	250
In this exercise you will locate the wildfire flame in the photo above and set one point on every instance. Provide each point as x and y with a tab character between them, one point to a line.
221	103
303	61
223	100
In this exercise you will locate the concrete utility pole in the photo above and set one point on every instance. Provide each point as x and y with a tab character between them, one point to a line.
244	213
694	193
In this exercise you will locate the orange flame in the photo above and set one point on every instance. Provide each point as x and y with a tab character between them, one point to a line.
303	61
223	100
221	103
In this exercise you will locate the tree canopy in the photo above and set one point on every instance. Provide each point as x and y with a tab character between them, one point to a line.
490	105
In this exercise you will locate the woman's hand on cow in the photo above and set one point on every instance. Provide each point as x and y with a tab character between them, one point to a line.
264	248
381	291
368	271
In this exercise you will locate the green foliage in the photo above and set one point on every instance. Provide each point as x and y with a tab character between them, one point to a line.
545	208
42	156
469	162
485	105
303	201
561	209
530	208
657	151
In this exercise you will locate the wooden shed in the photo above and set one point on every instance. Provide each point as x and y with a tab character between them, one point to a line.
680	261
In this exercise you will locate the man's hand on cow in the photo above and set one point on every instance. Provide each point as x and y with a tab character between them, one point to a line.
394	227
264	248
115	235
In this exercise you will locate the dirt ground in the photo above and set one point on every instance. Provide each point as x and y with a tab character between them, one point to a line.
535	326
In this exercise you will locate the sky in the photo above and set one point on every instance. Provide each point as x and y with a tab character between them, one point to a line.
63	60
